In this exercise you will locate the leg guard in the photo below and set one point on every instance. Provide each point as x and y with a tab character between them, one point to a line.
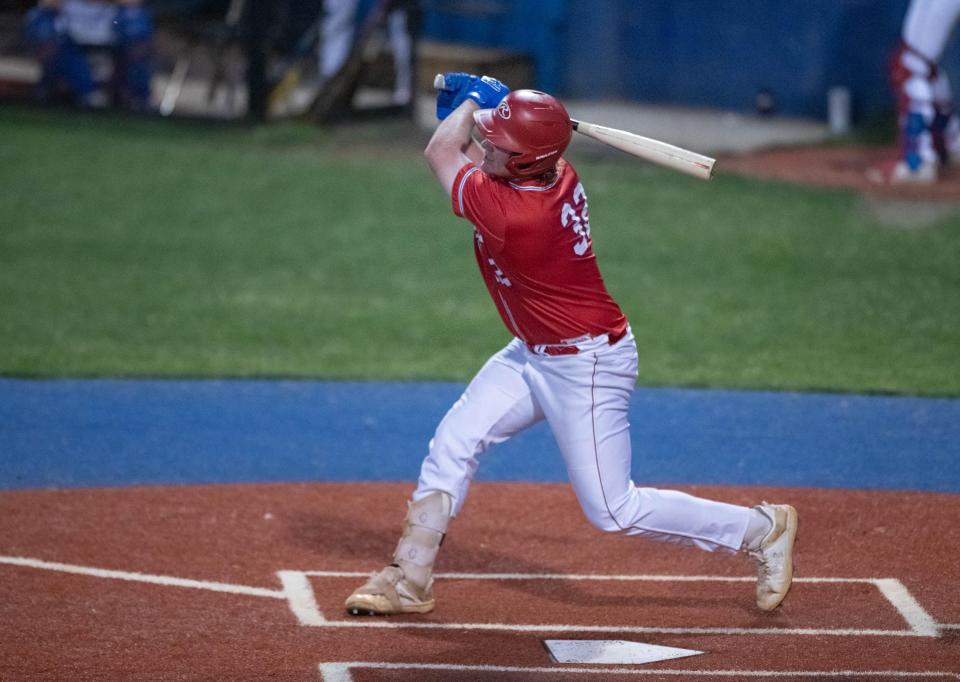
406	586
913	76
426	525
946	125
134	53
63	61
917	140
939	131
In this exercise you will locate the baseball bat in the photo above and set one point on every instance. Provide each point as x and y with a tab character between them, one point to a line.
658	152
647	148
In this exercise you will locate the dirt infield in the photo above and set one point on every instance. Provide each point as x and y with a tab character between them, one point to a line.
247	583
846	167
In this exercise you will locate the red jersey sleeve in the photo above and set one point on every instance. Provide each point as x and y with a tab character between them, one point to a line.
475	196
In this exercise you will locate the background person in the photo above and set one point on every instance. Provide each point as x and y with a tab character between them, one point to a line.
336	41
928	128
60	32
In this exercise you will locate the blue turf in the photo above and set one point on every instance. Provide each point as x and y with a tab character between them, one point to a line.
120	432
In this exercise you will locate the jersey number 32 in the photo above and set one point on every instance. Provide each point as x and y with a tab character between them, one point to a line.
577	217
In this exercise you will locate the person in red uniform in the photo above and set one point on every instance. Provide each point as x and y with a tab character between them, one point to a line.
572	360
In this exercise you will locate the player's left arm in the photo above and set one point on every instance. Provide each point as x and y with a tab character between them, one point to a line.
449	148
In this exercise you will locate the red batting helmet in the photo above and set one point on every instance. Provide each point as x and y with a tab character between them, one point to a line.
531	124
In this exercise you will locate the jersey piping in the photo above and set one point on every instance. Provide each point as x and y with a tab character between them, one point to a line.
463	182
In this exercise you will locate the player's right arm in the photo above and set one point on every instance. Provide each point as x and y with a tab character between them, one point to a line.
447	151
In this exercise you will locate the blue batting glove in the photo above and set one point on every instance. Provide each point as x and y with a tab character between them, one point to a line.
453	83
459	87
485	91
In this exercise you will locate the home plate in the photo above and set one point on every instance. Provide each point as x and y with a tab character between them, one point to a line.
612	651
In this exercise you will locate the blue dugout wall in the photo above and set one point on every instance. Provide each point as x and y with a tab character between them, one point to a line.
716	53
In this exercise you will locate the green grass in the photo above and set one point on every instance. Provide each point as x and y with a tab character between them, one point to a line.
149	248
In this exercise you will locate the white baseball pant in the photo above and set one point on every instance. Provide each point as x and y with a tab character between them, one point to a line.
928	24
336	41
585	400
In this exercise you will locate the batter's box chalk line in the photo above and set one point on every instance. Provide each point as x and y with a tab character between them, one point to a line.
919	622
340	672
297	591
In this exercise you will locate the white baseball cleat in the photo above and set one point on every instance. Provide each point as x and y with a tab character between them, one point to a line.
388	592
774	556
900	173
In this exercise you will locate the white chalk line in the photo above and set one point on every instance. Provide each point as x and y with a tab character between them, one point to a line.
593	576
909	608
372	622
301	600
165	580
920	623
340	672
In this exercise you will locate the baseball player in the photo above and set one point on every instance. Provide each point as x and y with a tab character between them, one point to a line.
928	128
572	361
337	36
58	30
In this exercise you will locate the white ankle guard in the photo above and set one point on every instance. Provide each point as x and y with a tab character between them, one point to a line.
426	525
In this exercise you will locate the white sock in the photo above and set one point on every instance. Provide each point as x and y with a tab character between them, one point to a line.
757	529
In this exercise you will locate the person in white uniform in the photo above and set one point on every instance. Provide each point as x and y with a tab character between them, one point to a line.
928	127
336	41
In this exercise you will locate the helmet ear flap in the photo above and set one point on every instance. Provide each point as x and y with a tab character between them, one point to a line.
526	168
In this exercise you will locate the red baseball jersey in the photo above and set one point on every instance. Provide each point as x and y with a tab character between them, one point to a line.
532	243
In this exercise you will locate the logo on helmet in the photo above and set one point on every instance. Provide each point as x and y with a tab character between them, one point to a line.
503	109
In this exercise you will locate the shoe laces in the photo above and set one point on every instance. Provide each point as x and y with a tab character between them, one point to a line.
770	561
763	565
766	560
